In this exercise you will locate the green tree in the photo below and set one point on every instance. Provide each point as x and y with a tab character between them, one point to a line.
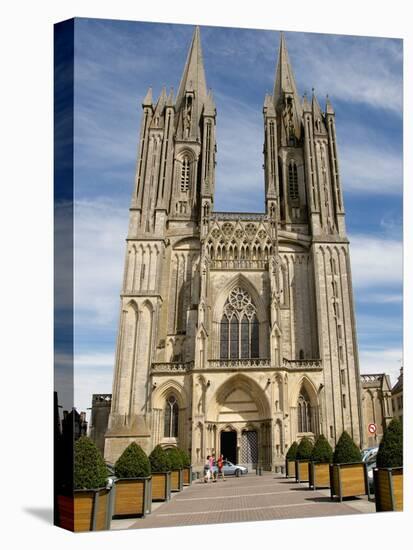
346	450
304	449
159	460
133	462
292	451
322	451
390	454
175	458
90	470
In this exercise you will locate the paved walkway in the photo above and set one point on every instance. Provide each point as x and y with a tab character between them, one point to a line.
247	498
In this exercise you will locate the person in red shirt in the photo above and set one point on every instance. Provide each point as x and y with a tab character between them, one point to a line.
220	464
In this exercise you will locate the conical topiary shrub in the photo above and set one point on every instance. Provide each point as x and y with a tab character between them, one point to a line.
159	460
292	451
390	454
133	462
186	461
322	451
319	467
175	458
90	470
304	449
346	450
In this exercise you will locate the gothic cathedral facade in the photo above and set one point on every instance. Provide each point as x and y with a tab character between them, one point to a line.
237	330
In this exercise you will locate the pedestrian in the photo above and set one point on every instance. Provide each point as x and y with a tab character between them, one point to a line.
212	464
220	464
207	471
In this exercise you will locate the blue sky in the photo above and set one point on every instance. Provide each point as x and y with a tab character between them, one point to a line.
115	63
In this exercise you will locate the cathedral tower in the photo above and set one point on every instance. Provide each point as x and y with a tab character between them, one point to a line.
237	330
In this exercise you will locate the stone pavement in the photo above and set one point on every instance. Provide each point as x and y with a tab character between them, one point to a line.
247	498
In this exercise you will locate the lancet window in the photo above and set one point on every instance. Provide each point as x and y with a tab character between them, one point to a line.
185	175
304	412
171	417
293	180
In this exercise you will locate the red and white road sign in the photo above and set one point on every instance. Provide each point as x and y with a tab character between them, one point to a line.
372	428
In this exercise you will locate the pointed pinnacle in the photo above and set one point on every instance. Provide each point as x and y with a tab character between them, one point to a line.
210	108
306	105
170	100
329	107
147	100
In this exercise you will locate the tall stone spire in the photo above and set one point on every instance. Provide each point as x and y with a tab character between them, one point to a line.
284	77
193	77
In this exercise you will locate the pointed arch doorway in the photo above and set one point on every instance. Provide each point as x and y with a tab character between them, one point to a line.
241	411
228	445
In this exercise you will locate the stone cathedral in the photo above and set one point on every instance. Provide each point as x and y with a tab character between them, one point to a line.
237	330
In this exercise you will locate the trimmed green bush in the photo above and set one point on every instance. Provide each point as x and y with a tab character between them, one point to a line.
175	458
133	462
186	460
346	450
390	453
322	451
159	460
304	449
90	470
292	451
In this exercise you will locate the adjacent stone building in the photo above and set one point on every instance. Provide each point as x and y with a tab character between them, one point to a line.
397	397
99	418
377	406
237	330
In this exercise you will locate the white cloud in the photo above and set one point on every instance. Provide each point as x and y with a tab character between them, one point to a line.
380	298
367	169
87	383
378	327
378	360
376	261
100	232
353	69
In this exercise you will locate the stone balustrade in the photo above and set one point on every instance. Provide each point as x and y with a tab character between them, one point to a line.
173	367
238	264
250	363
239	363
302	364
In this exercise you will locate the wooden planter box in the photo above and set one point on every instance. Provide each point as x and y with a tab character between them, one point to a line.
161	486
187	475
349	480
301	471
132	497
318	475
388	489
289	468
177	480
86	510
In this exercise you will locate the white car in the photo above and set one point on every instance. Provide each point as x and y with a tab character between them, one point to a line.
369	457
232	469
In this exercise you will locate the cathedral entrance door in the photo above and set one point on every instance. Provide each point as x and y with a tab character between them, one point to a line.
229	445
249	448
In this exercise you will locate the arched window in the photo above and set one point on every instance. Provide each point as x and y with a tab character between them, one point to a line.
185	175
239	336
171	417
292	180
304	412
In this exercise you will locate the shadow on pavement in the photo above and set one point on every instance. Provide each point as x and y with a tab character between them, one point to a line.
45	514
